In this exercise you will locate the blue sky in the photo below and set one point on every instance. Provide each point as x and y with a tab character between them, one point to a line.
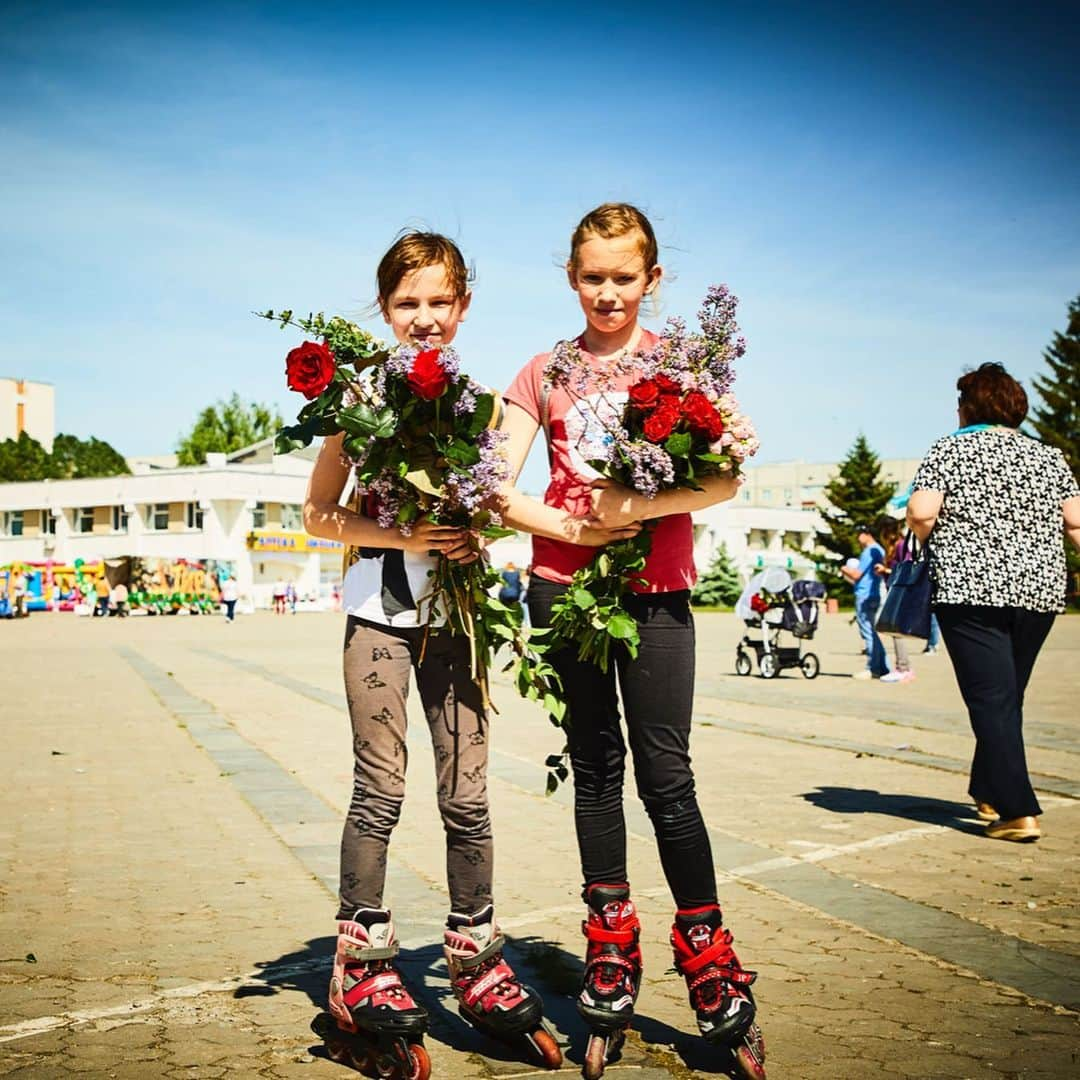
890	189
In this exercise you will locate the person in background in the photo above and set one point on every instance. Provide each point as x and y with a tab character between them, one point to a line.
118	599
995	504
229	594
290	597
867	585
279	597
511	590
896	552
101	591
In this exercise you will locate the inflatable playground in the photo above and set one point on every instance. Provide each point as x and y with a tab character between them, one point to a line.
154	586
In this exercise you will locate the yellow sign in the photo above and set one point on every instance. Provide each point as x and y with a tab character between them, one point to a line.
280	540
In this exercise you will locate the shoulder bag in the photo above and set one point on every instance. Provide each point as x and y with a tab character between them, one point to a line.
906	611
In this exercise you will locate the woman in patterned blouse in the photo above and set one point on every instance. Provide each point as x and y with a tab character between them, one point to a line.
996	503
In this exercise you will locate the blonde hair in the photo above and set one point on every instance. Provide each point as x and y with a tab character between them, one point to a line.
610	220
414	250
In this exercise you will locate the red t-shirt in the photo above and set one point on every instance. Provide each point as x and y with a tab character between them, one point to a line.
576	434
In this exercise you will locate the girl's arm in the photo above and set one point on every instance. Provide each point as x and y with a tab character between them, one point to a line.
615	504
324	517
922	511
519	511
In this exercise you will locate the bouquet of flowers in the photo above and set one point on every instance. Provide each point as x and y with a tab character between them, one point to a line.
680	423
421	436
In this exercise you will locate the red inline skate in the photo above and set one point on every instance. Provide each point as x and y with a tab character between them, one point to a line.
373	1025
488	993
612	973
719	987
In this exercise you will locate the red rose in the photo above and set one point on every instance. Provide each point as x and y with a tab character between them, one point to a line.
644	394
759	604
309	368
701	416
428	378
666	385
661	423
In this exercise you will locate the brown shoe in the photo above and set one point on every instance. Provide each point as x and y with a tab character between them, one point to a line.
985	811
1021	830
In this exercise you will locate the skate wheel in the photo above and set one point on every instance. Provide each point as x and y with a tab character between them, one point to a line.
421	1063
547	1049
595	1058
750	1055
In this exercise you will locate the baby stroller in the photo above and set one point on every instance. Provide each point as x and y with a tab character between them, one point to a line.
792	607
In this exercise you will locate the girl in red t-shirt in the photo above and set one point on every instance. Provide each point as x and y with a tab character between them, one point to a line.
613	267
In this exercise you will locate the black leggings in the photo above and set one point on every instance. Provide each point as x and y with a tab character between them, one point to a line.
993	651
657	692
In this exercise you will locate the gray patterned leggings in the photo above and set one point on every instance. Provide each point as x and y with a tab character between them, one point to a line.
378	659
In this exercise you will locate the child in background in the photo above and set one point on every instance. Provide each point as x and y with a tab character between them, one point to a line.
612	268
891	536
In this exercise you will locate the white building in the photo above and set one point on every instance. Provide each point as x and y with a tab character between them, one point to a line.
245	508
801	484
30	407
242	508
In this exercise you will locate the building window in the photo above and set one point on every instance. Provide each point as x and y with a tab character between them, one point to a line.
290	516
194	516
159	517
119	519
766	495
84	520
745	494
788	495
258	516
12	522
48	523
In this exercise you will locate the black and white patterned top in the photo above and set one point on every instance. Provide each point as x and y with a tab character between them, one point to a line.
999	537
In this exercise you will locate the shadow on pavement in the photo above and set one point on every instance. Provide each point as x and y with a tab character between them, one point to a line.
844	800
555	974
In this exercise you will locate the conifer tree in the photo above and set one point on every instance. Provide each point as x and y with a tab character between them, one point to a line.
1056	421
857	496
720	583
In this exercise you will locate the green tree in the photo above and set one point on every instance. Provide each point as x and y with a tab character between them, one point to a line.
857	495
226	426
720	583
24	458
74	458
1056	420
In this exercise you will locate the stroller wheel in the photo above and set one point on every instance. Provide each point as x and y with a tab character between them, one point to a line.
742	663
810	665
770	666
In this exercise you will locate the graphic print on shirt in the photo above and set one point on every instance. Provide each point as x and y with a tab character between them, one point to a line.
589	422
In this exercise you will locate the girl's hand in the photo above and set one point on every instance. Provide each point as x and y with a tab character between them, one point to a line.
448	540
583	531
612	504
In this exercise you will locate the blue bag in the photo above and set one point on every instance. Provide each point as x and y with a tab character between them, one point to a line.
906	611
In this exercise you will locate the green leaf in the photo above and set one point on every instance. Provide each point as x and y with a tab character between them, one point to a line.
622	626
583	598
556	707
427	480
462	453
552	784
678	445
716	459
485	409
361	419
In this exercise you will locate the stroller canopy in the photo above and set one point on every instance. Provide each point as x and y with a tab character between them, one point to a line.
773	580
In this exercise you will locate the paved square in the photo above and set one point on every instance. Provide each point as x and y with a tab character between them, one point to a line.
172	805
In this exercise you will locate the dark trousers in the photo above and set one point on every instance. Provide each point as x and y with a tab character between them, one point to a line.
993	651
657	692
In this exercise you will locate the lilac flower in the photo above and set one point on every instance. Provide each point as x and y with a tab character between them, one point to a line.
651	468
